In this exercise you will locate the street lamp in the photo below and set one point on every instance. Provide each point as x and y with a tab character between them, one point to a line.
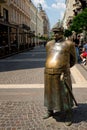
37	9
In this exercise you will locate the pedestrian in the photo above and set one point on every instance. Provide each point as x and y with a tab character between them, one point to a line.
83	55
44	43
77	43
60	57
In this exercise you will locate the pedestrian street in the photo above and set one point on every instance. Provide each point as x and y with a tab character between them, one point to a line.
28	68
22	93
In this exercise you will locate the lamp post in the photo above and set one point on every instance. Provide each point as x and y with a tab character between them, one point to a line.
36	25
39	7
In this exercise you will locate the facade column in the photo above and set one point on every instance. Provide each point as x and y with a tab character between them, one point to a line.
9	45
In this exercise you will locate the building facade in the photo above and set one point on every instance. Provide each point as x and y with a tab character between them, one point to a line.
36	22
46	23
73	7
20	24
69	14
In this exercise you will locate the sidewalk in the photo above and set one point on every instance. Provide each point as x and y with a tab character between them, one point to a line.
23	109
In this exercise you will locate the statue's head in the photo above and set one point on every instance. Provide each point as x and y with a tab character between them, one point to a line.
58	31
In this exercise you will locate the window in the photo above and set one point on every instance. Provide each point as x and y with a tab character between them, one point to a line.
5	14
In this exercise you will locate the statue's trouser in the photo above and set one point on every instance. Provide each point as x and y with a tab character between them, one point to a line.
56	95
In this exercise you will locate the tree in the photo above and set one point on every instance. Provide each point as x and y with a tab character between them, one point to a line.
67	33
79	22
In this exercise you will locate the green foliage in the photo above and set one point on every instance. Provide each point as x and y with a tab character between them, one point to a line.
79	22
43	38
67	33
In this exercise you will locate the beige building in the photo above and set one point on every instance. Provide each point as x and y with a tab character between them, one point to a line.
68	16
36	22
20	12
19	23
73	7
46	24
40	29
16	11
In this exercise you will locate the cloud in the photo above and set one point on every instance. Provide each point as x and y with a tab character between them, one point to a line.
60	1
42	2
59	5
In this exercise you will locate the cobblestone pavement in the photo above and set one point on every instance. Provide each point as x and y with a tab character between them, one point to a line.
23	109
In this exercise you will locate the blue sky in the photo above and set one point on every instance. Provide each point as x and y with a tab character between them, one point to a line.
54	9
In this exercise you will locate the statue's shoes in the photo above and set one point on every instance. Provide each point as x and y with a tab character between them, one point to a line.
48	115
68	123
68	119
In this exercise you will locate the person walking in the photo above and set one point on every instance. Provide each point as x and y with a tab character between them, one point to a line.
77	43
83	55
61	55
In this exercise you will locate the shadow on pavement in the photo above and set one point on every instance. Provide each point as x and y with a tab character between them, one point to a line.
79	114
27	60
22	65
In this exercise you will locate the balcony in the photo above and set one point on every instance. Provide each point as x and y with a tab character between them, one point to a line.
83	3
24	26
1	18
77	5
3	1
69	20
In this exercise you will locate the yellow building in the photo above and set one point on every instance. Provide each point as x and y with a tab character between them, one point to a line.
36	22
16	11
46	24
20	22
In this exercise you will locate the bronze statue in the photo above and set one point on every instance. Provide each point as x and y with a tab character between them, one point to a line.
61	56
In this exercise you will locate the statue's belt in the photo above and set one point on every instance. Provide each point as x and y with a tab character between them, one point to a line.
56	71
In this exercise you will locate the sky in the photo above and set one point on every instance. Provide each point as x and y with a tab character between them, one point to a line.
54	9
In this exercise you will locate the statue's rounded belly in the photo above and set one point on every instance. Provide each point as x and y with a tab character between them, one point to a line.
56	61
52	64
